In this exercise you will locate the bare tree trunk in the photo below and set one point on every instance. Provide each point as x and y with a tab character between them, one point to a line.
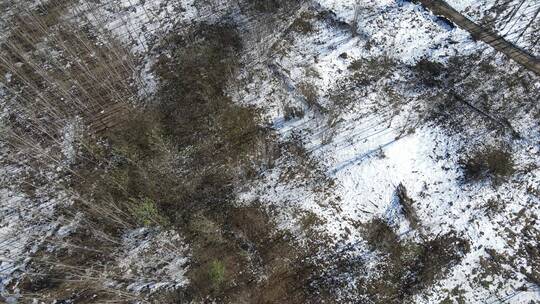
354	24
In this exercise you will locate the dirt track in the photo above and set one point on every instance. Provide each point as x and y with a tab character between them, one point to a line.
441	8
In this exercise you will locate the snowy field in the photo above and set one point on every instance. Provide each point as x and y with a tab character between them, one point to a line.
369	149
361	150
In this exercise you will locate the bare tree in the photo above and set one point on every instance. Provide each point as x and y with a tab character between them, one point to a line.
356	18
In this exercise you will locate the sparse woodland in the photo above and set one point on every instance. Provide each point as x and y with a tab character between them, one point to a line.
266	151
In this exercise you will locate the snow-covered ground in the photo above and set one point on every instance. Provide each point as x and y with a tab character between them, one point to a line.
517	21
26	222
361	140
30	222
374	145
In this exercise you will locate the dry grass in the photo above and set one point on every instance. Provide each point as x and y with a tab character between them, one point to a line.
134	173
488	163
303	24
407	267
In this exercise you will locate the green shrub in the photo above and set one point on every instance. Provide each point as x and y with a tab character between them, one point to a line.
147	213
216	273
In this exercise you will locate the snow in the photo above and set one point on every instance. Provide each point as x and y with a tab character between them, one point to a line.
70	134
402	31
153	259
25	226
510	20
372	148
137	24
361	155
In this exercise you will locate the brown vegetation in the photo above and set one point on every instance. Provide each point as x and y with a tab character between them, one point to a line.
489	162
407	267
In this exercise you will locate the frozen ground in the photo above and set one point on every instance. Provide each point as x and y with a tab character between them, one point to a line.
29	217
517	21
373	146
363	150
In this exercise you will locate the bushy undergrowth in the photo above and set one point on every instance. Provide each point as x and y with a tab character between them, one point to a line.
303	24
488	163
483	96
268	6
430	73
216	273
184	152
368	70
176	164
173	163
407	266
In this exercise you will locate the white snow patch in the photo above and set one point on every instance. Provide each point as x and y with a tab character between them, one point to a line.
152	259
